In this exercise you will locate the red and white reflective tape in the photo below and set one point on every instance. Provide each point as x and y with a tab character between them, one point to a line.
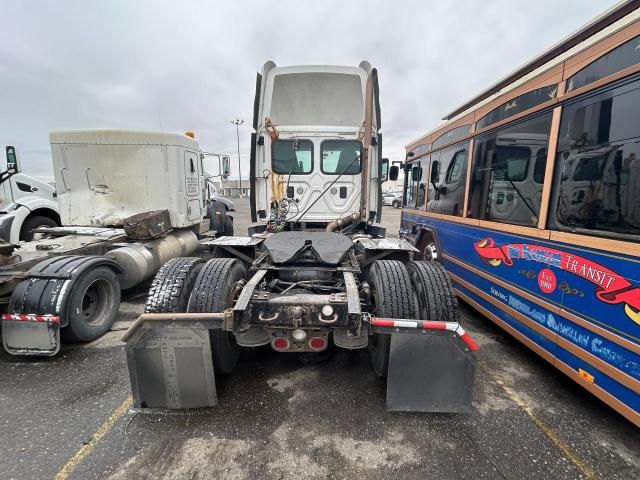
30	317
427	325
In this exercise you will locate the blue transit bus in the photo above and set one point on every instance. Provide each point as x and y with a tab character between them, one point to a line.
529	195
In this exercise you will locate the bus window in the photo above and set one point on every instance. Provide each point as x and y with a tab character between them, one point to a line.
506	183
598	162
447	195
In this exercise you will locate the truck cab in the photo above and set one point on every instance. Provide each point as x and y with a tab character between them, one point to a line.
25	202
311	150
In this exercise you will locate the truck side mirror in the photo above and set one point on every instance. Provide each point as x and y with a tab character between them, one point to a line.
12	159
384	170
226	167
394	171
435	171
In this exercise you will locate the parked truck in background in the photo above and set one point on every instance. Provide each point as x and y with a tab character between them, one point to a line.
129	201
25	202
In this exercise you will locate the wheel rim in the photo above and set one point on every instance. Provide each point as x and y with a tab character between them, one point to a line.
430	252
95	302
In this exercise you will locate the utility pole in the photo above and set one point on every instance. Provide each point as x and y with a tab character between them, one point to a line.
237	122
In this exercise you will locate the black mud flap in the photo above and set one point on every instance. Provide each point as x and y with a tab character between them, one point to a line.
431	366
170	364
31	334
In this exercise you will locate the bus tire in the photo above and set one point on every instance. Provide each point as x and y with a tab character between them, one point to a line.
92	305
434	292
392	297
215	290
172	285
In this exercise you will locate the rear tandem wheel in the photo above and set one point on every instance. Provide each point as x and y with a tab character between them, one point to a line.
216	290
171	287
392	297
436	298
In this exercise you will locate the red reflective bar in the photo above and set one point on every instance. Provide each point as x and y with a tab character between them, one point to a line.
426	325
31	317
466	338
382	322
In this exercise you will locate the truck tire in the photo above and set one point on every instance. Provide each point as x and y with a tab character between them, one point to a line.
82	289
215	291
228	226
32	223
392	297
93	305
435	296
172	285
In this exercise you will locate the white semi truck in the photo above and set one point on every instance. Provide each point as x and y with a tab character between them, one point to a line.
315	270
129	201
25	202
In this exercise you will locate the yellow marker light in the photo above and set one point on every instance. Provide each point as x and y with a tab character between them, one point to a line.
586	375
190	134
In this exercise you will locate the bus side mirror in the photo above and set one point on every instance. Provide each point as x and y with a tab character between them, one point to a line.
226	167
394	171
12	159
435	172
384	170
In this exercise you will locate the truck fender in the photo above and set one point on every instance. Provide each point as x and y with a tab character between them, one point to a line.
49	284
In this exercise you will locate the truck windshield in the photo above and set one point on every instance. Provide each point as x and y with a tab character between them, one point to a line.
341	156
292	157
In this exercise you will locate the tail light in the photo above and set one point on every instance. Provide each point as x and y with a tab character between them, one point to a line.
317	343
280	344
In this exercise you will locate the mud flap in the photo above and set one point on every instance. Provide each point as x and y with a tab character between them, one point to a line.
429	373
431	366
170	363
31	334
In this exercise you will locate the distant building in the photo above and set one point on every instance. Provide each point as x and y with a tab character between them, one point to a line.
231	188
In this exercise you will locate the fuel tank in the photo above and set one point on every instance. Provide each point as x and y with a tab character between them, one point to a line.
142	260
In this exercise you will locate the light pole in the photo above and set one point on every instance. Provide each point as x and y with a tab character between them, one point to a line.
237	122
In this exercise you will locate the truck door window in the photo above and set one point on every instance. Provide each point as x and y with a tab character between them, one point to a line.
341	156
293	157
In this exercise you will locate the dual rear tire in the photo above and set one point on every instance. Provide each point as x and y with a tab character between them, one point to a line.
188	284
419	290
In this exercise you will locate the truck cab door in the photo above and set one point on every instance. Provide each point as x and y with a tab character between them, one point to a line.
192	185
6	195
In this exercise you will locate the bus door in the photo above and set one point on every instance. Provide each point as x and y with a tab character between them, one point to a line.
447	181
414	191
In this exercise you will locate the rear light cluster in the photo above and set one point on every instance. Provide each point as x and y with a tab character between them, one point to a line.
282	344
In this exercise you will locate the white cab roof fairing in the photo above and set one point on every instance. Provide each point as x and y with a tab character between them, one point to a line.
121	137
318	96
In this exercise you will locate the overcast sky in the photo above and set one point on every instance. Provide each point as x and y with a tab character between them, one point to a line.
187	65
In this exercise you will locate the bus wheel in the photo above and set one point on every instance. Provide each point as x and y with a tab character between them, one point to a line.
216	289
430	252
436	298
392	297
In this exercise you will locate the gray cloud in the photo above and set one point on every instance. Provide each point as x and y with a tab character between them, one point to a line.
192	65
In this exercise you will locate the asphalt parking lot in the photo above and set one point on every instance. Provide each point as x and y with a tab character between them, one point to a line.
282	417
